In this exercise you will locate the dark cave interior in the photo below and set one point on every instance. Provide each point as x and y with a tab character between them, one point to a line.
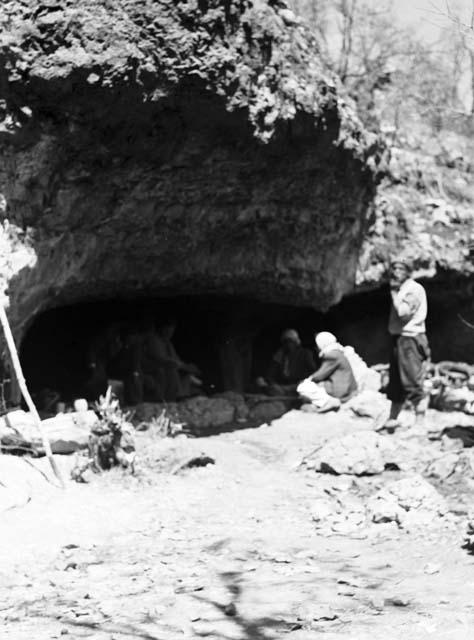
54	350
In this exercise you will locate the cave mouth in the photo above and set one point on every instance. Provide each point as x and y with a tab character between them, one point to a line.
230	339
54	351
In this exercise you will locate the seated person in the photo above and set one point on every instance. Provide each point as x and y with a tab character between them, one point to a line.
290	364
171	377
334	381
101	354
129	364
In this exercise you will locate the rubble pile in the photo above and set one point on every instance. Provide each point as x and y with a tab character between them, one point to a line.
358	454
410	502
338	510
353	501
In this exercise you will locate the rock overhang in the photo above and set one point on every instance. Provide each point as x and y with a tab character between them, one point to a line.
192	148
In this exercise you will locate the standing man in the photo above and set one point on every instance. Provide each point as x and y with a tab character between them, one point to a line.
410	348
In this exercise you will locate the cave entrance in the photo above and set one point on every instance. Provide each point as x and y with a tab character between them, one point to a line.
230	339
54	352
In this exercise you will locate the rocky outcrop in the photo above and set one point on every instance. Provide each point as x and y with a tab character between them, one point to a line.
164	148
202	414
423	211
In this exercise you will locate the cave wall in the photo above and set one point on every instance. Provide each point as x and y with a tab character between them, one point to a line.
183	199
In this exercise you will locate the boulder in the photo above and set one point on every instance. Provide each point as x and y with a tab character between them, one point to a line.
369	404
361	453
202	412
145	412
444	466
199	412
410	502
238	402
266	410
69	432
66	432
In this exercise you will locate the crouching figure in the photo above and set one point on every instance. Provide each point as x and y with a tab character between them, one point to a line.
334	381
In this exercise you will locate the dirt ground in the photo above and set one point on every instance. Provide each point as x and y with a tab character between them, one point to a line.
224	551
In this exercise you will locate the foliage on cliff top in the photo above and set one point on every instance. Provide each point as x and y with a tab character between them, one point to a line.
256	54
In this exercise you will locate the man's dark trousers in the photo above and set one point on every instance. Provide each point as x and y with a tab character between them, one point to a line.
408	360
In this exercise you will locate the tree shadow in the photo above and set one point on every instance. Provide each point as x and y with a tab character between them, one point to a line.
129	630
263	628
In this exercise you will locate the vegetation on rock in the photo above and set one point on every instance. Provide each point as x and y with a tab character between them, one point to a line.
257	55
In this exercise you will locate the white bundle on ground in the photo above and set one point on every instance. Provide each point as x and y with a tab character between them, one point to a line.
366	378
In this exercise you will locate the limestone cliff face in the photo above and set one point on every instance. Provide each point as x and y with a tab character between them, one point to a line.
164	148
424	210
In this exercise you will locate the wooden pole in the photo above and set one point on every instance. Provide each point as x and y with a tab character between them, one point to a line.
26	394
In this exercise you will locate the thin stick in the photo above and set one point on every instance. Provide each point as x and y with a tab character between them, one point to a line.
26	394
468	324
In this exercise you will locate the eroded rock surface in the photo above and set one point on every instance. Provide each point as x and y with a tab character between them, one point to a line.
151	148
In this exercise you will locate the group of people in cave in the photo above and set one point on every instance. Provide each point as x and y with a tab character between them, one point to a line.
141	362
334	382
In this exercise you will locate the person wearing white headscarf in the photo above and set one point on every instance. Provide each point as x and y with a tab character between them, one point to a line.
334	381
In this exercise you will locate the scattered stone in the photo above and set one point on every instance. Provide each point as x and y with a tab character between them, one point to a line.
322	509
459	509
469	537
288	16
451	444
431	568
230	609
197	461
346	590
316	613
377	603
443	467
397	601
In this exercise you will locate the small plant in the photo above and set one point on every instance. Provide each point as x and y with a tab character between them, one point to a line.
164	427
111	442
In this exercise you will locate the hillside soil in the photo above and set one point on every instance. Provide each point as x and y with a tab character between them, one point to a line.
229	550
